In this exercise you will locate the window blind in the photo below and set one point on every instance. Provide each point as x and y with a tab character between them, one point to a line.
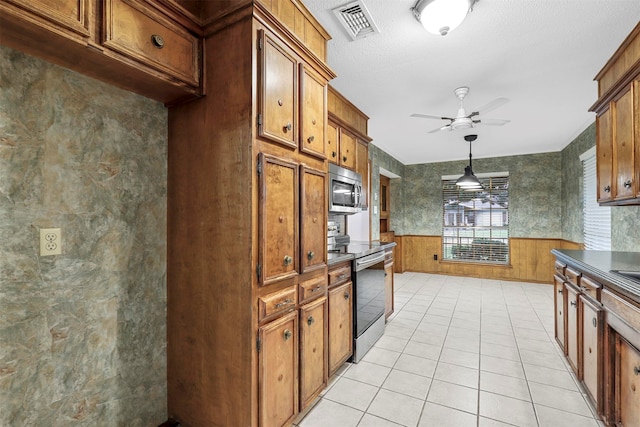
475	225
597	219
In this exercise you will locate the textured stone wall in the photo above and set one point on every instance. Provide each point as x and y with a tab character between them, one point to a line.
82	334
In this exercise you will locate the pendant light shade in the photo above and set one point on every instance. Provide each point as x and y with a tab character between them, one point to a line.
441	16
468	181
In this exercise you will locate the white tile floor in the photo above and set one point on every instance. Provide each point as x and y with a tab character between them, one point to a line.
459	352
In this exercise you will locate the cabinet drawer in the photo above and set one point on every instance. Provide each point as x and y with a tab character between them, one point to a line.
312	288
572	276
559	268
271	305
68	14
144	35
590	287
339	275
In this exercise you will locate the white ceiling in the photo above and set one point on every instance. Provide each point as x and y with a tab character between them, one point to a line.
540	54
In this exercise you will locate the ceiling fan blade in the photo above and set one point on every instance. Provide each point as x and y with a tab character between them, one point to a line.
494	122
498	102
445	127
427	116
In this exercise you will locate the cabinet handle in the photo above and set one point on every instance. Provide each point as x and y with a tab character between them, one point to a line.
595	322
287	260
342	276
627	184
310	139
310	255
559	291
317	288
284	303
573	303
310	320
636	370
346	295
157	41
288	127
344	158
333	154
607	189
287	334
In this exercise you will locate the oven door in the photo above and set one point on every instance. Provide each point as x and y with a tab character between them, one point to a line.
369	291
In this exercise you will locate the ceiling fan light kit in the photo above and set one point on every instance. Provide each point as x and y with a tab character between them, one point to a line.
441	16
468	181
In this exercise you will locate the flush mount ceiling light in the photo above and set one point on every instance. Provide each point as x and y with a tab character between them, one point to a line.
468	181
441	16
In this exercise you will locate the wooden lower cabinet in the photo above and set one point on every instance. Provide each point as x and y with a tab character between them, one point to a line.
340	325
627	384
592	351
313	350
278	371
559	303
572	332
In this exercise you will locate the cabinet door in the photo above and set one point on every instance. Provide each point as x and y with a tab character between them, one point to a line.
313	112
623	147
388	290
69	16
340	326
278	91
278	371
347	149
278	219
604	154
572	328
362	167
313	205
627	401
560	309
592	349
333	142
313	350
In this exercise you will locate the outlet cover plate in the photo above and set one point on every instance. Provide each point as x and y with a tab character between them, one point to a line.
50	241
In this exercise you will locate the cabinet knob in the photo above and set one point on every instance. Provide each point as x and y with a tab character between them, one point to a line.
595	322
310	139
607	189
310	320
280	102
333	154
157	41
627	184
346	295
287	127
287	260
636	370
573	303
559	291
344	158
287	334
310	255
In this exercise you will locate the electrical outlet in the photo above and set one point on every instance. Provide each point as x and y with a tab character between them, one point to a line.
50	241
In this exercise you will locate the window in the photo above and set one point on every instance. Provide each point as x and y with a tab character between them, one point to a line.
475	225
597	219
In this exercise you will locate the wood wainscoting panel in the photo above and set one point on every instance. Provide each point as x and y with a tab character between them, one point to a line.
531	259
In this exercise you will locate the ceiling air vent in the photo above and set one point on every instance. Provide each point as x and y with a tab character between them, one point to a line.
356	19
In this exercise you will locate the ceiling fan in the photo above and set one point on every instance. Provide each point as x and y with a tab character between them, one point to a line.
464	120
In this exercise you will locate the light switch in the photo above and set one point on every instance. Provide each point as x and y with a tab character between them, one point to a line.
375	210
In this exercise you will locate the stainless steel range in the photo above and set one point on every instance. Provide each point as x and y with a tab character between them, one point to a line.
367	275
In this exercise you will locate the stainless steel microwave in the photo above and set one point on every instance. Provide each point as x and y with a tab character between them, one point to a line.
345	190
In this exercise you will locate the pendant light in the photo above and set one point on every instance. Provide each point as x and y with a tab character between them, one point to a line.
441	16
468	181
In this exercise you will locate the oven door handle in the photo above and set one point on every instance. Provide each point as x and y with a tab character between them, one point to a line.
368	261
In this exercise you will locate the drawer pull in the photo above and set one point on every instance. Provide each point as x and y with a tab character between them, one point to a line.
287	334
310	255
627	184
310	320
284	303
346	295
342	276
573	303
157	41
607	189
595	322
310	139
317	288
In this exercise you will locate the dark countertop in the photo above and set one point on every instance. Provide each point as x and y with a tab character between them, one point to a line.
357	248
599	265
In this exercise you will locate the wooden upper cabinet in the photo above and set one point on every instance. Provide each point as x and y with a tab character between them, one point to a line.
623	149
135	30
347	149
313	350
313	218
278	219
604	156
333	142
313	112
278	371
278	91
67	16
362	167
